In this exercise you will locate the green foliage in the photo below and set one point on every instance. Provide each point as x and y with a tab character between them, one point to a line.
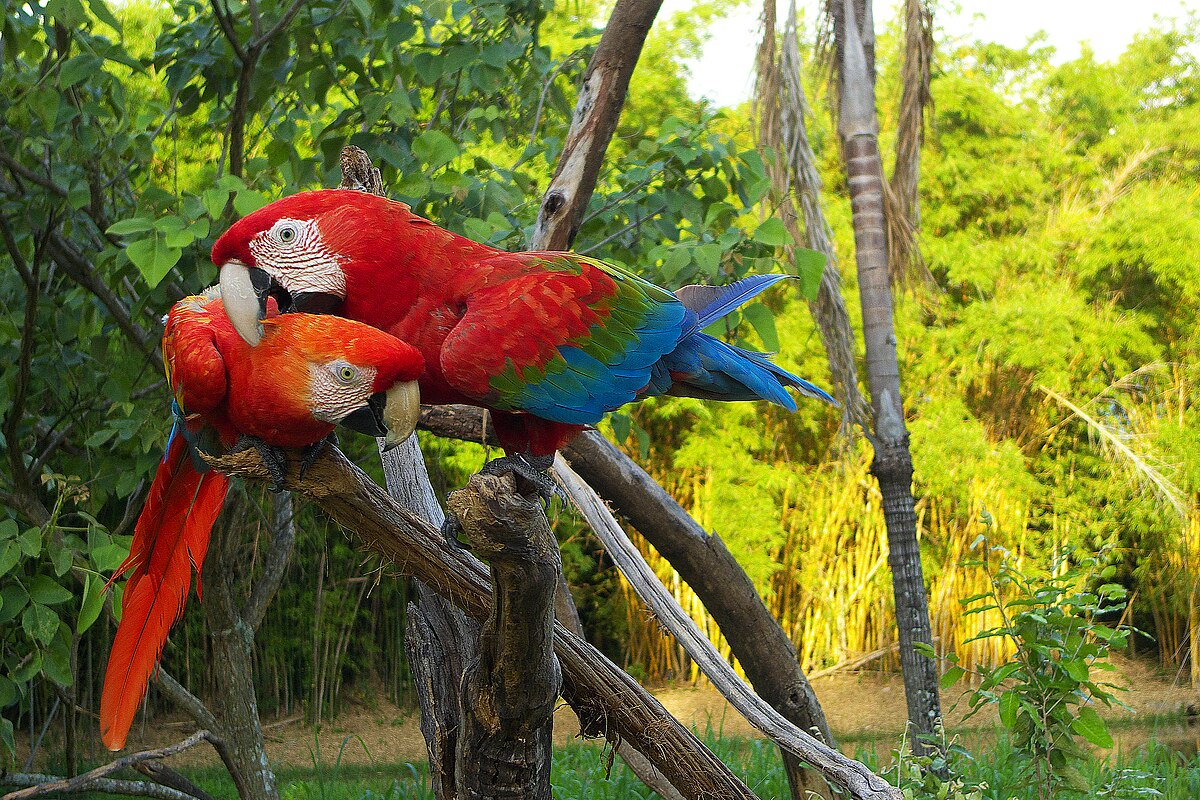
1047	694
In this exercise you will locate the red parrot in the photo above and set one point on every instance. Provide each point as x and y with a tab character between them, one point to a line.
547	341
306	375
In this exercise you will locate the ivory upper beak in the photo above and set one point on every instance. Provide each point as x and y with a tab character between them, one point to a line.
400	413
245	303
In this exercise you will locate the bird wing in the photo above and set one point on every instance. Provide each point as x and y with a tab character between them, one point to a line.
559	335
194	365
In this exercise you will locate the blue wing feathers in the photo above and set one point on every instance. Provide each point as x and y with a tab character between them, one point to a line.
655	347
729	298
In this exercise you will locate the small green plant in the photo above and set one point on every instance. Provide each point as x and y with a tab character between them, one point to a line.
938	773
1047	694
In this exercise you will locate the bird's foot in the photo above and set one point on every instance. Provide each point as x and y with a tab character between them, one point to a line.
310	454
531	474
275	459
451	531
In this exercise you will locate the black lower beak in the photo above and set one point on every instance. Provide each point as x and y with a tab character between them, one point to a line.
369	418
262	283
314	303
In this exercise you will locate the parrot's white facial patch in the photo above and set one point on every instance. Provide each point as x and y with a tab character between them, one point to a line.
293	253
339	388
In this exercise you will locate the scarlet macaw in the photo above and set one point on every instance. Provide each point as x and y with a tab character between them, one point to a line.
548	341
307	374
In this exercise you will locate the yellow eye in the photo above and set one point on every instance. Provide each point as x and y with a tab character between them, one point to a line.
347	374
287	234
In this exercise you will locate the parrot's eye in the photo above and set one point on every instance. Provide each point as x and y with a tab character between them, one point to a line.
347	374
286	234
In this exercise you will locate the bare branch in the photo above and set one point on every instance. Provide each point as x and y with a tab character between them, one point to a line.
607	700
289	15
846	773
68	257
187	701
105	785
605	86
283	541
17	168
225	20
87	780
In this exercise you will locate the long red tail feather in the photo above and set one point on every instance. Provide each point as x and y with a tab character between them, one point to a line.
169	541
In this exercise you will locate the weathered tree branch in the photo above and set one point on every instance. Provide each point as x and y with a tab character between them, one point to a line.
509	691
606	699
702	560
844	772
597	111
105	785
89	780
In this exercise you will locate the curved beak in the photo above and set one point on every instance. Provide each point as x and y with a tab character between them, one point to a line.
400	413
244	291
392	414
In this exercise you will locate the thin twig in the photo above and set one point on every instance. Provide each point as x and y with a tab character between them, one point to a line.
261	41
637	223
226	22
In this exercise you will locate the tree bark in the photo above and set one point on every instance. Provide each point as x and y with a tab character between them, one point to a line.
509	691
702	560
234	702
601	97
904	209
858	128
607	701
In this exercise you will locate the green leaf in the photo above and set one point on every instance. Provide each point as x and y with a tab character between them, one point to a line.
1009	704
62	558
77	68
40	622
108	556
214	201
951	676
1076	668
8	692
28	669
809	266
104	14
6	736
763	321
31	542
44	590
10	554
1090	726
56	662
925	649
247	201
15	598
153	257
772	233
620	425
434	149
93	603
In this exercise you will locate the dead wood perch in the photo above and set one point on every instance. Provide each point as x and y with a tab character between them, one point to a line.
510	690
98	780
607	701
839	770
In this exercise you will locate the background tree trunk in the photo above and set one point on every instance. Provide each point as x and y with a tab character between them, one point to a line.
903	202
858	128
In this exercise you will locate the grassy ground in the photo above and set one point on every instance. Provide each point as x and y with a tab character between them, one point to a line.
584	772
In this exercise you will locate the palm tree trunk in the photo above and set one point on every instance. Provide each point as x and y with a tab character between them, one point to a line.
858	128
